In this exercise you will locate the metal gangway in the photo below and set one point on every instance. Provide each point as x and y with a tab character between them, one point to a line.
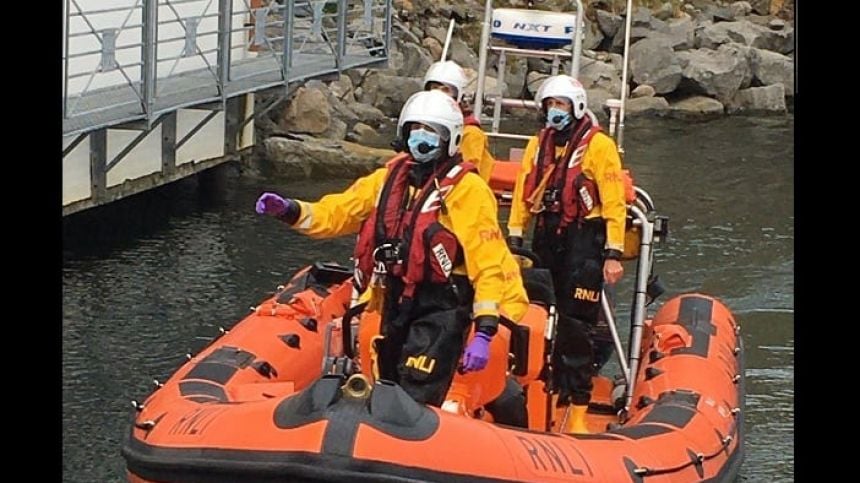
156	90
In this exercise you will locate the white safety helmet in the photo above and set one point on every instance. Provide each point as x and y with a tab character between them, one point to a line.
567	87
439	111
449	73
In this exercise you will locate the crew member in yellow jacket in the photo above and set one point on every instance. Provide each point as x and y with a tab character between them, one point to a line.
450	78
428	233
571	181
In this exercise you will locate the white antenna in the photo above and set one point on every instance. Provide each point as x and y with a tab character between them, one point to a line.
628	21
447	40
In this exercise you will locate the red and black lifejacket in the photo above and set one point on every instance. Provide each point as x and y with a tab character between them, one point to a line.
568	189
403	232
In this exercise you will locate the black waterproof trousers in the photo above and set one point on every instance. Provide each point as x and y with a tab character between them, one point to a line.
424	337
575	258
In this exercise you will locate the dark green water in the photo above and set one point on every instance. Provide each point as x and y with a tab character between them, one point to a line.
164	271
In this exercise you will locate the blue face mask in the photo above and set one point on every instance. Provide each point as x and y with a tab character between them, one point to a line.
424	145
557	118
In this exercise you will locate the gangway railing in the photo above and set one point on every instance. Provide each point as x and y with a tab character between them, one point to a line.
130	60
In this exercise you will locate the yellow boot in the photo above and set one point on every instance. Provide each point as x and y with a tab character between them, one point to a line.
576	420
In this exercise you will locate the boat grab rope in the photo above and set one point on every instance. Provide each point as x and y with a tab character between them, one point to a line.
698	460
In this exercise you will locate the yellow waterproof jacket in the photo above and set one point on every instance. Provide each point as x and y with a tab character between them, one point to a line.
472	217
476	150
601	164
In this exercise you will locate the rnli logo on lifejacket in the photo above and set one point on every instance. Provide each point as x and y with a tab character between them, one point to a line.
575	157
421	363
585	294
586	198
434	200
443	259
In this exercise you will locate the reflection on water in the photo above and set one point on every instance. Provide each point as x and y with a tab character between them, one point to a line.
148	280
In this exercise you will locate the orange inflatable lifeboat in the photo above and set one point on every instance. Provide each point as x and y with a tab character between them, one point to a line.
285	396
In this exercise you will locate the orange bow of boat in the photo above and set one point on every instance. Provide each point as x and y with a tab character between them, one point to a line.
271	400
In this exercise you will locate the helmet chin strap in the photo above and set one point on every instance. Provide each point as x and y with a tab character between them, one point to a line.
563	136
419	172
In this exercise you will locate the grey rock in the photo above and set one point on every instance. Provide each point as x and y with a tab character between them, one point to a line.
407	34
369	114
308	157
617	60
636	34
768	99
760	20
743	55
594	74
702	4
708	35
665	11
747	33
642	17
367	136
342	88
387	92
609	23
463	13
658	25
721	14
593	36
462	54
357	76
343	111
642	91
717	73
740	9
317	84
761	7
773	68
308	112
416	61
653	62
336	130
437	33
647	106
597	103
515	74
395	60
597	98
491	84
681	33
776	24
697	107
433	46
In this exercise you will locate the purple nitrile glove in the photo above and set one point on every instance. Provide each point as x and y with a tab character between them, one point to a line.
477	353
271	204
